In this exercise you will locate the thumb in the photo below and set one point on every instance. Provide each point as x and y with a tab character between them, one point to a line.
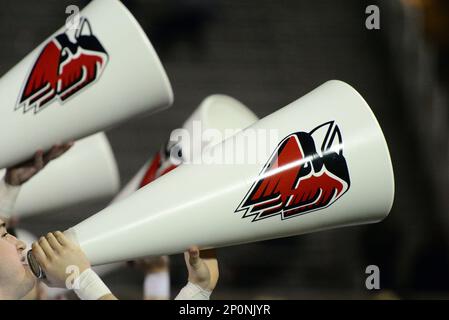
194	257
39	160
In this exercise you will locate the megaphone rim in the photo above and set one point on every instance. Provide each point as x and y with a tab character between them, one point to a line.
163	74
216	106
391	180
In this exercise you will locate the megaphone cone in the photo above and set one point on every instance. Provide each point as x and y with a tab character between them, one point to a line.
87	172
87	77
328	167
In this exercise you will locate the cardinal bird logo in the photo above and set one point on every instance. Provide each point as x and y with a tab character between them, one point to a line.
161	163
306	172
68	63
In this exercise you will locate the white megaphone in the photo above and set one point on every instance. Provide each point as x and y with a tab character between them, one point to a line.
87	172
218	112
328	167
94	73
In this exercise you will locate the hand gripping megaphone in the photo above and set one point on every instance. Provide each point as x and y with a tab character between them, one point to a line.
94	73
87	172
57	293
216	112
328	167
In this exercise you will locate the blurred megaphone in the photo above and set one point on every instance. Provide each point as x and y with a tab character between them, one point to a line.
217	112
97	71
87	172
326	165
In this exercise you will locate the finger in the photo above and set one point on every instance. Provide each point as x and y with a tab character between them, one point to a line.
58	150
62	239
39	160
54	243
28	173
51	154
39	254
194	257
43	243
186	258
63	149
68	145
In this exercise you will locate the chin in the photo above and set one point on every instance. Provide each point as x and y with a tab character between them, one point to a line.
29	275
28	281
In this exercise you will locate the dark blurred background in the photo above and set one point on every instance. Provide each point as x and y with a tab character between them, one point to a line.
267	54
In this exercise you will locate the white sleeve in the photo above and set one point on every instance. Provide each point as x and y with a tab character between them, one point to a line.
89	286
8	197
157	285
193	292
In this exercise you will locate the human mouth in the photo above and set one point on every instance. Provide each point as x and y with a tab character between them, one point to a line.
23	258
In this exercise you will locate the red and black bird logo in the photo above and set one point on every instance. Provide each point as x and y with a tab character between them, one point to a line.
162	163
67	64
306	172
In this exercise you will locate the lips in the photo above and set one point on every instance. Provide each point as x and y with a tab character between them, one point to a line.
23	257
